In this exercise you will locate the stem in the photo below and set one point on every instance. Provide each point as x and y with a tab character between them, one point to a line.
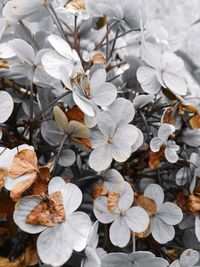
114	43
51	104
146	125
134	244
31	91
58	155
75	34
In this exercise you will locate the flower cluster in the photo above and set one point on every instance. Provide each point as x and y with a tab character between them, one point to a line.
99	137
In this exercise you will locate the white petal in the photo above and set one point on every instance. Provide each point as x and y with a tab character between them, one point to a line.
155	192
10	183
101	212
197	227
104	95
100	158
6	51
106	124
138	143
137	219
23	7
55	65
151	54
119	233
53	247
91	259
22	210
72	197
77	228
98	78
156	144
116	260
84	104
23	50
114	181
148	80
61	46
126	197
170	213
56	184
171	155
171	62
182	176
175	83
165	131
175	263
67	158
161	231
122	110
189	257
93	237
6	106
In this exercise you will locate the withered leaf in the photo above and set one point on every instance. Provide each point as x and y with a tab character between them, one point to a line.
144	233
99	190
21	187
189	108
146	203
2	173
155	158
29	257
6	205
195	121
75	114
98	59
113	198
4	262
49	212
167	116
25	162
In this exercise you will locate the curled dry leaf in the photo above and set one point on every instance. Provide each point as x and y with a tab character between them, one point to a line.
98	59
146	203
195	121
75	114
193	204
189	108
113	198
168	116
29	257
76	5
4	262
40	186
25	162
155	158
2	173
49	212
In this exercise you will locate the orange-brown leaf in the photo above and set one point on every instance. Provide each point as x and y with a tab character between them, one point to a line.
146	203
49	212
25	162
2	173
6	205
113	198
4	262
98	59
21	187
167	116
29	257
195	121
83	141
75	114
155	158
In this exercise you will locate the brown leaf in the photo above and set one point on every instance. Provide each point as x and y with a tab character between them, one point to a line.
6	205
113	198
25	162
146	203
189	108
98	59
83	141
181	200
76	5
21	187
167	116
2	174
99	190
145	233
193	204
155	158
75	114
4	262
29	257
40	186
195	121
49	212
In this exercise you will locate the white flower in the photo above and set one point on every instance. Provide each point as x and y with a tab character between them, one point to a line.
134	259
189	258
64	60
162	69
115	136
167	214
191	137
171	148
6	106
56	243
124	219
93	92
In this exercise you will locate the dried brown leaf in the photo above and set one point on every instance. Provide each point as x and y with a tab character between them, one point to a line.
146	203
195	121
155	158
75	114
113	198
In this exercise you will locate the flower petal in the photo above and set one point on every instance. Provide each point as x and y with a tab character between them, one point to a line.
126	197
155	192
189	257
103	95
165	131
6	106
23	50
156	144
100	158
119	233
170	213
137	219
175	83
171	155
148	80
